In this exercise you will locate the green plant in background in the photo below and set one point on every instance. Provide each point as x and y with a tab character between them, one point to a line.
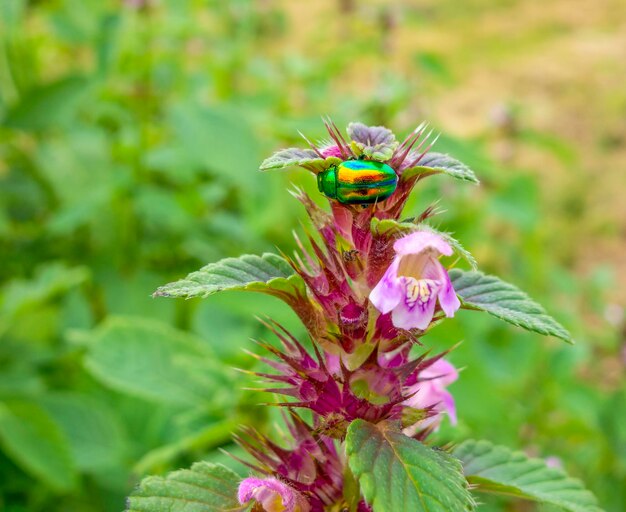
107	190
367	290
93	201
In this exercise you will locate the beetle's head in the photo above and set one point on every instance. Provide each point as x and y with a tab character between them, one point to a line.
327	182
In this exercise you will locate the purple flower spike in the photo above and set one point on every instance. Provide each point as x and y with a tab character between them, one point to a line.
414	281
272	494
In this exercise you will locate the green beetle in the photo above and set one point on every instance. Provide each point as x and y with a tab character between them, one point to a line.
358	182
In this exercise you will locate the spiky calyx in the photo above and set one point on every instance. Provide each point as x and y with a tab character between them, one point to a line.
380	388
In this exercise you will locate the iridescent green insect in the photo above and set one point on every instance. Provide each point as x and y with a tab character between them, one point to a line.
358	182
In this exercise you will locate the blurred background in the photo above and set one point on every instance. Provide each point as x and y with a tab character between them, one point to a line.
130	135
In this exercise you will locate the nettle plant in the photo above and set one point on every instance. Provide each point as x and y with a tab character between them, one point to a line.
367	287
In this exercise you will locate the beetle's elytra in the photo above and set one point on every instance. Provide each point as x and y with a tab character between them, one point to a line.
358	182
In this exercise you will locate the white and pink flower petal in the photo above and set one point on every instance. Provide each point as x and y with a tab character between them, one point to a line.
430	391
447	402
448	299
388	293
420	241
441	371
417	307
414	282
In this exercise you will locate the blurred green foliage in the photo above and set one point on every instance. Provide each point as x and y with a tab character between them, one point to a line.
130	136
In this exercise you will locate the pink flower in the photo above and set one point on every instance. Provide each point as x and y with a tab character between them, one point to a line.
272	494
414	281
430	391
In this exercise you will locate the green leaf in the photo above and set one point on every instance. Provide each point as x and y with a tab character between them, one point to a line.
436	163
375	142
396	472
504	301
218	139
212	436
50	280
81	157
95	436
499	470
290	157
34	441
151	360
19	379
203	488
268	274
392	227
49	105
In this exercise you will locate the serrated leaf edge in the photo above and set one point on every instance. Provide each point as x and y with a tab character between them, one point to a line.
469	176
559	474
255	286
559	331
